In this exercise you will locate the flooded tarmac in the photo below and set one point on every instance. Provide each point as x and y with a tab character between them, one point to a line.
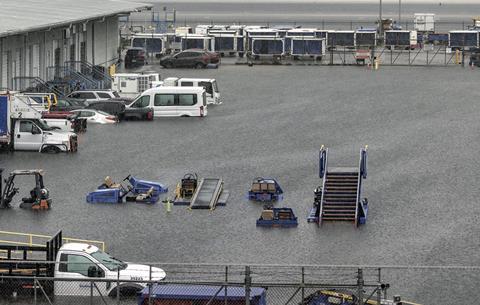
422	128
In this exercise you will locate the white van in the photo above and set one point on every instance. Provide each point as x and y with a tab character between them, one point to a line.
210	85
173	101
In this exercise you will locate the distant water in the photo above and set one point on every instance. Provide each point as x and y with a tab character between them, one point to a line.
309	13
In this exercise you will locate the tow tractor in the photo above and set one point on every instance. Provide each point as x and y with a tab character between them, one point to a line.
39	195
204	193
265	189
138	190
277	217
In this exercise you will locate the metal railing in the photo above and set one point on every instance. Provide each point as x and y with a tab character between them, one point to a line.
324	181
29	239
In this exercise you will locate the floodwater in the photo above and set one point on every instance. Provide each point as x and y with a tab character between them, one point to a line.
422	128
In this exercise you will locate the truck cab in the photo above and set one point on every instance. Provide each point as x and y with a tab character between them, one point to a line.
35	134
84	261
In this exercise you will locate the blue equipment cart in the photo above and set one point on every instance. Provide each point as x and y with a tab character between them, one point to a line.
277	217
199	294
139	191
265	189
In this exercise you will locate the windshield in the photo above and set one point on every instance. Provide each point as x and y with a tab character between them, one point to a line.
110	262
43	125
215	87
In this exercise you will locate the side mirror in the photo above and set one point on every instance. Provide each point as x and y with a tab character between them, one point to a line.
35	130
93	271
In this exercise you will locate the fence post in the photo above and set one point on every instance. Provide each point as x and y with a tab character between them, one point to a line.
226	284
35	290
379	290
303	284
360	286
248	283
150	285
118	286
91	292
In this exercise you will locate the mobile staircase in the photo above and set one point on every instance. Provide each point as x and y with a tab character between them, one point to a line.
340	195
208	194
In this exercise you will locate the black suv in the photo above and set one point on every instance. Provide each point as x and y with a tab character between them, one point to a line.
135	57
116	108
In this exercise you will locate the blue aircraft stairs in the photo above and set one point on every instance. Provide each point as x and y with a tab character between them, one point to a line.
340	198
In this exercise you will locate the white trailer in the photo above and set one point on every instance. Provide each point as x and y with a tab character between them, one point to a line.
424	22
132	84
155	45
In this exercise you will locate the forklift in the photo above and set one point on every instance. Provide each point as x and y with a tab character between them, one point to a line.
39	196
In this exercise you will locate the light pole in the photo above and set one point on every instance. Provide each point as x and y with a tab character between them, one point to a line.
380	23
399	12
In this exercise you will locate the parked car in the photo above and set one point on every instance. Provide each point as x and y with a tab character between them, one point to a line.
192	58
116	108
96	116
135	57
139	114
94	95
67	104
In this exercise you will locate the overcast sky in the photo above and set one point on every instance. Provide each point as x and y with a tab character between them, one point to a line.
329	1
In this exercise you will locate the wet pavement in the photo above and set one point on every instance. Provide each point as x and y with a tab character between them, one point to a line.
422	128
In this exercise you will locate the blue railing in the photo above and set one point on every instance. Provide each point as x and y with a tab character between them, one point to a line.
323	160
362	174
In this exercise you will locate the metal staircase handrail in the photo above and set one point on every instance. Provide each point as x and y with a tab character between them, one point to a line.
35	80
324	179
362	173
68	70
104	74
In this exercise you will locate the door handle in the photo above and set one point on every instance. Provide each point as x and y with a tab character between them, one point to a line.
18	136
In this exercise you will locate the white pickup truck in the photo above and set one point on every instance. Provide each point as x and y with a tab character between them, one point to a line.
80	263
22	128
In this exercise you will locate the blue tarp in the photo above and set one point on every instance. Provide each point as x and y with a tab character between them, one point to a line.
224	43
307	47
465	39
3	116
397	38
201	292
267	47
193	43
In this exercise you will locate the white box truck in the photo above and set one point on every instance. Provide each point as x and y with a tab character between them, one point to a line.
22	128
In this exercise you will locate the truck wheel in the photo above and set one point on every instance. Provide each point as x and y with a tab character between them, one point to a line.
51	149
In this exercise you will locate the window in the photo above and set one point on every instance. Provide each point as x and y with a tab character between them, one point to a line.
207	86
215	86
123	84
141	102
138	42
87	114
75	264
187	84
164	100
103	95
26	126
182	55
86	95
187	99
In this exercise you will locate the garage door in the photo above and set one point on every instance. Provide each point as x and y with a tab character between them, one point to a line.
36	60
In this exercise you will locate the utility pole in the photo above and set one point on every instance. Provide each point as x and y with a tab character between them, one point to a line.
399	12
380	23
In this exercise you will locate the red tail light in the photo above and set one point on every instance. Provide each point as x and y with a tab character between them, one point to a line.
111	118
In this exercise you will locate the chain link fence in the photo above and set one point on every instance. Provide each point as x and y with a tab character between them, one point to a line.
238	284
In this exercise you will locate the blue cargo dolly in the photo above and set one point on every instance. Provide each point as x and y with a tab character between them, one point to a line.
265	190
277	217
200	294
141	191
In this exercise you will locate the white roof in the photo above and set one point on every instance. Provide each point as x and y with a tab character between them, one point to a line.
81	247
31	15
165	89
